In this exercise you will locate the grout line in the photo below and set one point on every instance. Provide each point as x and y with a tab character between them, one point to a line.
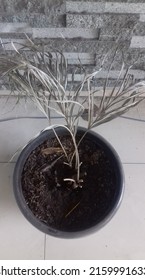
6	162
44	246
13	162
98	93
133	163
60	117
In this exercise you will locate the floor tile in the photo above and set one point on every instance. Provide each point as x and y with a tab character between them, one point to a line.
17	133
18	238
121	238
127	136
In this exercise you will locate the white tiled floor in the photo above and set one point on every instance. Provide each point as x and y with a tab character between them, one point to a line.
122	238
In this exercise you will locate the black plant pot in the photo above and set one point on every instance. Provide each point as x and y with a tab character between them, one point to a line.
97	223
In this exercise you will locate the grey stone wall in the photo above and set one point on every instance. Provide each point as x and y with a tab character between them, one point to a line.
85	30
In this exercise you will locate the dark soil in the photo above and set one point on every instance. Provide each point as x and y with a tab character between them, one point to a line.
57	203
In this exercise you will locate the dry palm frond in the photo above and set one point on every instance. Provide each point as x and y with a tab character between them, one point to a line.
43	78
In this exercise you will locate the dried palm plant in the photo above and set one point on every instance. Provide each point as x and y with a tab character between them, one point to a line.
43	77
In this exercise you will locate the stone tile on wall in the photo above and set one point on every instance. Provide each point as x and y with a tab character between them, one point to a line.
67	33
65	45
129	56
138	42
139	29
36	13
142	18
112	74
44	7
136	58
84	7
125	8
75	45
105	7
15	30
111	26
113	1
102	20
